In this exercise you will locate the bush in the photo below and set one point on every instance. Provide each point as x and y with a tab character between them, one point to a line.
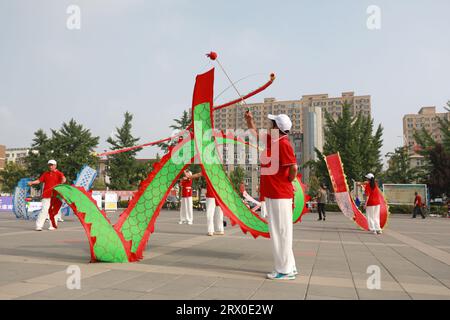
123	204
332	207
401	209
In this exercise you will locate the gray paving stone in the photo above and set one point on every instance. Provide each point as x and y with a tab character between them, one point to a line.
182	263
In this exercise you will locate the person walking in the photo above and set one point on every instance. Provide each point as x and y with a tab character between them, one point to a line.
50	203
322	200
186	208
418	205
373	204
278	170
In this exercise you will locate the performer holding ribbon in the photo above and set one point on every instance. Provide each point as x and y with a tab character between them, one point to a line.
186	210
214	214
50	203
278	171
373	204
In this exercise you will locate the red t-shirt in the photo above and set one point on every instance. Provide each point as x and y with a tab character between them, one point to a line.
276	185
373	195
418	201
209	191
186	188
50	179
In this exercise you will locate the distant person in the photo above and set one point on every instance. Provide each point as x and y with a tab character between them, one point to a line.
50	203
214	214
418	206
186	209
357	202
373	204
322	200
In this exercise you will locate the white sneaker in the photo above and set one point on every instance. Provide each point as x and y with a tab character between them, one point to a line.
190	223
51	229
182	222
210	234
38	229
219	233
60	220
280	276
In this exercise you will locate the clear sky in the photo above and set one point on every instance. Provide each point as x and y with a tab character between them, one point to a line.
142	56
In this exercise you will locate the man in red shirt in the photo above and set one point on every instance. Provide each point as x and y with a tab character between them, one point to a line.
418	206
186	210
50	203
278	170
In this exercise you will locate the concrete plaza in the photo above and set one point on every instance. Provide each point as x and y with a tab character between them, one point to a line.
181	262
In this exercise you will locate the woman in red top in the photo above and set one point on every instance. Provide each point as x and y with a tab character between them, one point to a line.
186	210
373	203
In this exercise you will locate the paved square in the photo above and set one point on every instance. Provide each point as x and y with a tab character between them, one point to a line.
181	262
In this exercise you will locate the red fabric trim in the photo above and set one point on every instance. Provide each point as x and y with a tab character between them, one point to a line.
247	96
337	175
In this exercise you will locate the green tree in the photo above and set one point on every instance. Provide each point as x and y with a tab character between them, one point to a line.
40	153
73	146
180	124
354	138
400	170
10	176
237	177
437	158
124	171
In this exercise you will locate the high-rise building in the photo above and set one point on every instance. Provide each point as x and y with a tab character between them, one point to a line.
307	115
427	119
17	155
2	157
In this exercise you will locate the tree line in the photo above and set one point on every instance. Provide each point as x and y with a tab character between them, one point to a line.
73	146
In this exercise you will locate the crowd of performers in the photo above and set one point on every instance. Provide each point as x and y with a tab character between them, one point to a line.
276	196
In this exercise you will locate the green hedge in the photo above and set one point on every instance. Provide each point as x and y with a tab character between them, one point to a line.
123	204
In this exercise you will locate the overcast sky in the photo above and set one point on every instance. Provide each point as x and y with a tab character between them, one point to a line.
142	56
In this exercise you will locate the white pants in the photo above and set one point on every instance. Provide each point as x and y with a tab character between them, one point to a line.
373	218
214	216
187	210
263	209
43	215
279	217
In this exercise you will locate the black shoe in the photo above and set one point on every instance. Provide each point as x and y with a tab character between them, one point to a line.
324	219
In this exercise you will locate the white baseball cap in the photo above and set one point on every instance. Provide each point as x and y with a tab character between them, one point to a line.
283	122
370	176
53	162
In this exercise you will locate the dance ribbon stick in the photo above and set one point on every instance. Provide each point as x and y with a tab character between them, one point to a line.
214	57
248	96
109	153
